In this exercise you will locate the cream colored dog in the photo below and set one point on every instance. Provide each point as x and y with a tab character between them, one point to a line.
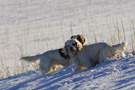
49	59
90	55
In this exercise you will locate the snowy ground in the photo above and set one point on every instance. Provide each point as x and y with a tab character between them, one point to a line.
29	27
113	75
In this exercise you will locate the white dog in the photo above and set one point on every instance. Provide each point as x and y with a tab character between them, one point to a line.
90	55
49	59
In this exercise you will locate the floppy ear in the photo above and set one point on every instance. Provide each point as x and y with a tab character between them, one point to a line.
79	46
81	39
71	37
63	53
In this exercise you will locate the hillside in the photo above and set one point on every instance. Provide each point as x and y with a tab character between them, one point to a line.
112	75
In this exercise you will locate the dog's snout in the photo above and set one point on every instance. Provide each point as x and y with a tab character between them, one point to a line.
71	48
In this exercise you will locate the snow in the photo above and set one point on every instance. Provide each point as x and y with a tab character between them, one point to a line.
117	74
29	27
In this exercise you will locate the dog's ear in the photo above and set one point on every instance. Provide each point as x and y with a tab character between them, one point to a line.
79	45
72	37
81	39
63	53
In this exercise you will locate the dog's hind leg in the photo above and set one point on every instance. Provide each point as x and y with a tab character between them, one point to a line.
44	69
82	68
44	65
102	57
48	68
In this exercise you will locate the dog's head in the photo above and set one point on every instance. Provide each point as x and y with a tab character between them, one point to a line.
80	38
73	46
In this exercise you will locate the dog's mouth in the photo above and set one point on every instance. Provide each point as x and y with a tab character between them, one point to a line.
72	50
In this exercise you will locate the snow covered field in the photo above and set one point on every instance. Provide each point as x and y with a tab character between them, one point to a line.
29	27
113	75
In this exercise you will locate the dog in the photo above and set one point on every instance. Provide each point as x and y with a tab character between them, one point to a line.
90	55
50	59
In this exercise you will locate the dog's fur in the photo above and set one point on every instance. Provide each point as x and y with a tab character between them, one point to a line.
80	38
90	55
49	59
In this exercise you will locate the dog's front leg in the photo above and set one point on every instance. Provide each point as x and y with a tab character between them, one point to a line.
77	69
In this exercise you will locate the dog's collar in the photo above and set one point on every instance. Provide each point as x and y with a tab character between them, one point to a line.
66	56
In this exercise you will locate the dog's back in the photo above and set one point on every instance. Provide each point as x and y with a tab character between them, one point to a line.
92	51
95	48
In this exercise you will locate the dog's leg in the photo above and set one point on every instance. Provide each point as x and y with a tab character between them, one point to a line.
52	68
41	69
102	57
77	68
82	68
44	65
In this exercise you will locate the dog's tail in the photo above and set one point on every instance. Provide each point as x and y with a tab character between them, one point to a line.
120	47
31	58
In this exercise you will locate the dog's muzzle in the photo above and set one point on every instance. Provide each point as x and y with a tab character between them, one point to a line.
72	49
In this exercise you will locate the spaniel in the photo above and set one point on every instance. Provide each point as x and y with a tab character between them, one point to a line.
50	59
90	55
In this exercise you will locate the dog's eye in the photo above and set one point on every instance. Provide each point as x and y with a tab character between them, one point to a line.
74	44
67	45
